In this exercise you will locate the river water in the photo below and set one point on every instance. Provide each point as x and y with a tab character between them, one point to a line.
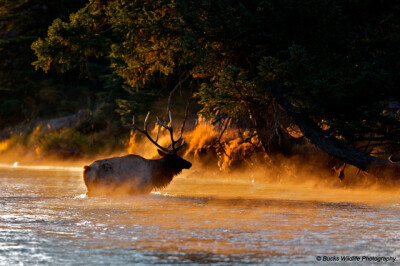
46	218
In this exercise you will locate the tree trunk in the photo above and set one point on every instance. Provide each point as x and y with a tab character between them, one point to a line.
273	139
378	167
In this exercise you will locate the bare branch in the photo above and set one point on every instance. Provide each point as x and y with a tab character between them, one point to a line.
170	119
184	121
220	136
173	91
341	174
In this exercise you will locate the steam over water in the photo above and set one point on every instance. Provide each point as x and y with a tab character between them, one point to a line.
45	217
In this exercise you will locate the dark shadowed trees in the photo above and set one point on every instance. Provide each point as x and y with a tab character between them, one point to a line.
327	68
24	92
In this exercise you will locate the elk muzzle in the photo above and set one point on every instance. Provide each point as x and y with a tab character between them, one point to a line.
187	165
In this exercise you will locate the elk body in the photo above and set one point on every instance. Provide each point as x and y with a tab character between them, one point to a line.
133	174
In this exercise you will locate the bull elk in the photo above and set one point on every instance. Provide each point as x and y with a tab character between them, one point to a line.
132	174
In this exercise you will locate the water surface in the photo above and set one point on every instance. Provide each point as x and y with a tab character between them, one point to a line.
45	218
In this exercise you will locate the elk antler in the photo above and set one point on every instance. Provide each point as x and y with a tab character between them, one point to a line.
169	128
171	132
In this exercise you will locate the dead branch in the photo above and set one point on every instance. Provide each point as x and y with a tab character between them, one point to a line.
173	91
228	120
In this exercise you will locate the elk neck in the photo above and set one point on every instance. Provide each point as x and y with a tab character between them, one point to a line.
163	171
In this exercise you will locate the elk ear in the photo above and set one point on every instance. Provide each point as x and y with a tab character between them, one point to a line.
161	153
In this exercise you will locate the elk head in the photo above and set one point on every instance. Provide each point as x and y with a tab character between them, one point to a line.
168	153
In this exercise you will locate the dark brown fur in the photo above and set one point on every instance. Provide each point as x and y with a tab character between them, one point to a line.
165	169
132	173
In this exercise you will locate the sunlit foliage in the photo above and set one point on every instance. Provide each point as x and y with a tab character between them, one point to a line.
338	60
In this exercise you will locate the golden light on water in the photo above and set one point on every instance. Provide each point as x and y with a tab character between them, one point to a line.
257	214
201	217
